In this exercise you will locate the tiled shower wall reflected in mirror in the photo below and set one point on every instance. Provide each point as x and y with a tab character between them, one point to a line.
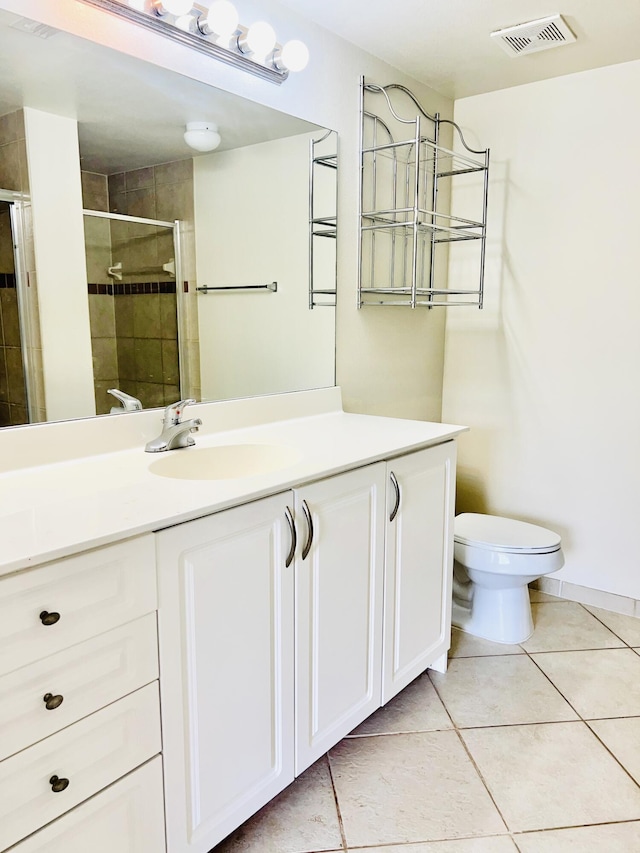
132	297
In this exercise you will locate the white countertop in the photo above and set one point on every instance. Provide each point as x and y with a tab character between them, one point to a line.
54	510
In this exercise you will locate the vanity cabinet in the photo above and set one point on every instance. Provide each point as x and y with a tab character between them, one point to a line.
418	561
79	703
281	620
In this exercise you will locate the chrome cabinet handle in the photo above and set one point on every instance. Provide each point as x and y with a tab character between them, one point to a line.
52	702
309	520
396	486
49	618
294	537
58	785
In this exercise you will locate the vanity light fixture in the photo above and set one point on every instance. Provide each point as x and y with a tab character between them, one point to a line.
215	31
202	135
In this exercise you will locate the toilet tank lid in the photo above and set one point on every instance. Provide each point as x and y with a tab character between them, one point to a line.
504	534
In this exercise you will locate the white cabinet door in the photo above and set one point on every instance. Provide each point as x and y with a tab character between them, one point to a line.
419	561
338	608
226	667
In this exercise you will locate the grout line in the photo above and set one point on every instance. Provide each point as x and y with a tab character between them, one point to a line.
471	758
523	833
482	779
343	836
586	607
582	719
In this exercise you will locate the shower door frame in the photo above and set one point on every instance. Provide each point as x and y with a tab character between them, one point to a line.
17	202
175	226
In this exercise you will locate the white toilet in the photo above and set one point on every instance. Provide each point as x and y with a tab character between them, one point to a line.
494	561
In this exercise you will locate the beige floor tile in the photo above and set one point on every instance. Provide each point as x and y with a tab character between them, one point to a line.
498	691
465	645
302	819
552	775
626	627
495	844
622	737
558	628
616	838
413	787
417	708
601	683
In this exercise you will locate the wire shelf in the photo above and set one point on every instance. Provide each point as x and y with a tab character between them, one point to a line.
407	179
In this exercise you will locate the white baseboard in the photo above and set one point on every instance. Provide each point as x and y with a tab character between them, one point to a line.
586	595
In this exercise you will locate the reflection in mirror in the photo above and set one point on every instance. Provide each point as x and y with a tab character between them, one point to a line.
13	402
171	238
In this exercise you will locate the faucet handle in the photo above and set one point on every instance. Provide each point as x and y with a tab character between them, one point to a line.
173	413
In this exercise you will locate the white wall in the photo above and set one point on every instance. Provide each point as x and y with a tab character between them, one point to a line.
58	235
283	345
547	374
388	361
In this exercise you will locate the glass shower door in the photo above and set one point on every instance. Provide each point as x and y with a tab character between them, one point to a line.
14	405
133	267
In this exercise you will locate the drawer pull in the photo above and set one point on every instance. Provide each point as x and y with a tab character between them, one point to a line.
58	785
52	702
49	618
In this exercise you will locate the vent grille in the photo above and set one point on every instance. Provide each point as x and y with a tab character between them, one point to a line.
34	28
533	36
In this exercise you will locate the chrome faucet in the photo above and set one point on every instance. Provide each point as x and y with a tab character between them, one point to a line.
175	431
129	403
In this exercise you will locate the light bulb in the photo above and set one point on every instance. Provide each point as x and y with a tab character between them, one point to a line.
221	19
202	135
186	23
173	7
261	38
295	55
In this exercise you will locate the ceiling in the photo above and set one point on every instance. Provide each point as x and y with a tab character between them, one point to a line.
130	113
446	43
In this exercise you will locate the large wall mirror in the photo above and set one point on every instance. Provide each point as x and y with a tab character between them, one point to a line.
204	274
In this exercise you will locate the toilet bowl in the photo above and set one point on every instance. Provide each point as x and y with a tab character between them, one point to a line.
495	559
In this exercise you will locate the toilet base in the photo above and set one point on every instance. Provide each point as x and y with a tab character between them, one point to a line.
499	615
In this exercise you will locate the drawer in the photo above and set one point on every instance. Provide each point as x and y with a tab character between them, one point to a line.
90	755
127	817
78	681
84	596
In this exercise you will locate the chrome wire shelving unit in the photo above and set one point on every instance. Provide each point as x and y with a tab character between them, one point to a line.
407	182
323	219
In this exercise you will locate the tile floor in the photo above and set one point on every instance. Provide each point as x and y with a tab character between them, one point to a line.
532	748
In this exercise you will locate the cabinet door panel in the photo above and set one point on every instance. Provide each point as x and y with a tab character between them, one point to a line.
339	609
226	663
419	560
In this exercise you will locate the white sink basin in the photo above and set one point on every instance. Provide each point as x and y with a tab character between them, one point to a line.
224	462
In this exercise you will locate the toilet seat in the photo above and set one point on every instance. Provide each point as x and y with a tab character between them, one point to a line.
504	535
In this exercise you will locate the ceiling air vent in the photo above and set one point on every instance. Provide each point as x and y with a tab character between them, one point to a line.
533	36
34	28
